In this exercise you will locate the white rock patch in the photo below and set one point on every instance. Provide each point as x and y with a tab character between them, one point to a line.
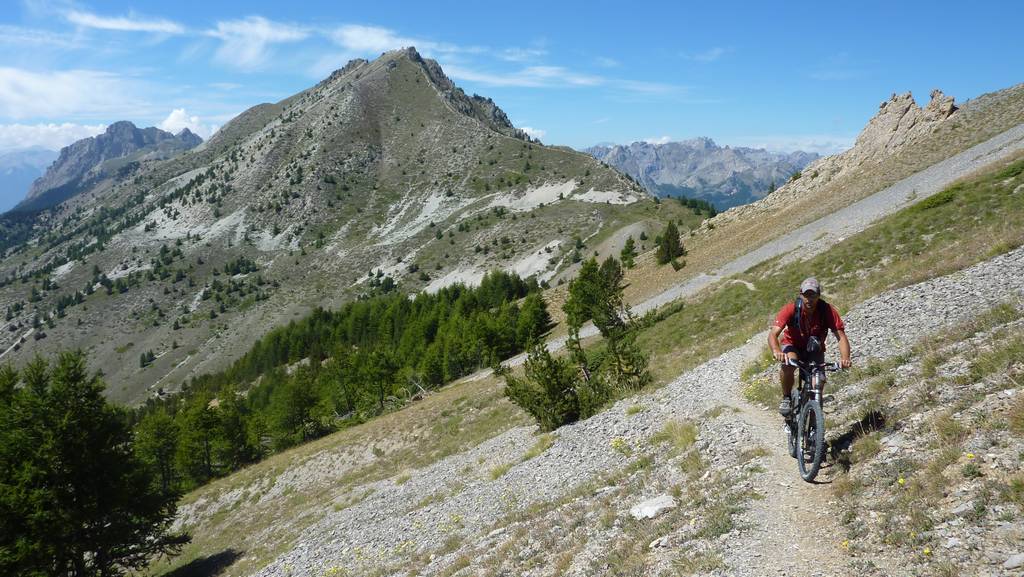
607	196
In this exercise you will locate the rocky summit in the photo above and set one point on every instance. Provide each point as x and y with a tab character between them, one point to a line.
699	168
385	169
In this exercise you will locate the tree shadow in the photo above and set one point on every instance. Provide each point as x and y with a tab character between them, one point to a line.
209	566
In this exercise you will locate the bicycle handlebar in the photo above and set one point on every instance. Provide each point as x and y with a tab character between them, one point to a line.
832	367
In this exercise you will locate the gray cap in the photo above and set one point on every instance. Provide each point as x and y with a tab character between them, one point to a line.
810	284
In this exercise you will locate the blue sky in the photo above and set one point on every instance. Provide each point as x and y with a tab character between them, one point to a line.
784	75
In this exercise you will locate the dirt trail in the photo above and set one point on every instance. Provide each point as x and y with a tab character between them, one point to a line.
794	529
795	526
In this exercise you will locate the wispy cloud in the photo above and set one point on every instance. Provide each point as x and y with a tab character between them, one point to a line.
129	23
529	77
658	140
82	93
709	55
24	37
50	136
824	144
605	62
246	42
521	54
371	40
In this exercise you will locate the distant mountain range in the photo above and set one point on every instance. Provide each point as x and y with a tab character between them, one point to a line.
698	168
18	170
117	151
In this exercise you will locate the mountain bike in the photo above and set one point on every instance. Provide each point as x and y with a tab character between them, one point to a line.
806	421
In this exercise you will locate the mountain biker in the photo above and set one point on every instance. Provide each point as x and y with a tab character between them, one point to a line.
816	318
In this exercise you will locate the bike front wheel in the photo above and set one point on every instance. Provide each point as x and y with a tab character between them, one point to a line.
811	428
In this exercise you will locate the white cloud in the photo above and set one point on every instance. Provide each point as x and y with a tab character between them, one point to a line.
824	144
178	119
531	77
246	42
130	23
88	93
606	62
372	40
658	140
50	136
534	132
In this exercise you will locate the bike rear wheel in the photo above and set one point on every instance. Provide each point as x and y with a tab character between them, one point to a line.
811	428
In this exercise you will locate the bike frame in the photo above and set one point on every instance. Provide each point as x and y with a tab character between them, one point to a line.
812	380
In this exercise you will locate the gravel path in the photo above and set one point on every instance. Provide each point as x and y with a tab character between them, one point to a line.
793	530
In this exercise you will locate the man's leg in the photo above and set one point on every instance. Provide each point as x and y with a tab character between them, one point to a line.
786	377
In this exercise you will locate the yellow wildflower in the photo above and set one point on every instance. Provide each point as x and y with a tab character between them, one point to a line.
970	456
901	481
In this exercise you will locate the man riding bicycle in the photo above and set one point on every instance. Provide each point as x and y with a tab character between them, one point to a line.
798	321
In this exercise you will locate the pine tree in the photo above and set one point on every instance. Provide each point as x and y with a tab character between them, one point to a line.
669	245
75	498
628	253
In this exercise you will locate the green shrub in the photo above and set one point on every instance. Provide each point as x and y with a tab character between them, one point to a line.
547	390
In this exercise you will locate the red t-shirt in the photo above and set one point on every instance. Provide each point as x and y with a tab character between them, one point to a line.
796	333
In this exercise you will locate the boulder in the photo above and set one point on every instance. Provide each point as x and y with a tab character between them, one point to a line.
652	507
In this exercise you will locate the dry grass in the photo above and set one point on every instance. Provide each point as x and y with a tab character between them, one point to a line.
680	435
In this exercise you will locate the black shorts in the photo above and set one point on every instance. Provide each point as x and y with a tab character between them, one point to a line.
804	356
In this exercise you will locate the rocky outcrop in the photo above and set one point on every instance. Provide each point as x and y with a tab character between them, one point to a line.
900	120
698	168
81	163
899	126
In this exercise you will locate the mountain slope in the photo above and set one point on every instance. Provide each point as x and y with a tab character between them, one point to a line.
384	168
699	168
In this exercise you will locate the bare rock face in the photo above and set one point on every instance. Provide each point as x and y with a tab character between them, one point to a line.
900	120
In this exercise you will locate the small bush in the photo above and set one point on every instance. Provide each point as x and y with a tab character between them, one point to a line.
679	434
499	471
542	444
970	470
864	448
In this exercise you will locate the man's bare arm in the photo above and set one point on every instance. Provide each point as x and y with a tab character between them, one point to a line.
844	349
773	343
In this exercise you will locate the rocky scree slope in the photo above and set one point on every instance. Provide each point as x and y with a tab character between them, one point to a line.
81	164
690	478
383	169
698	168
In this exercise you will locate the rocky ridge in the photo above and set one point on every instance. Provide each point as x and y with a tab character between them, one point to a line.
80	164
